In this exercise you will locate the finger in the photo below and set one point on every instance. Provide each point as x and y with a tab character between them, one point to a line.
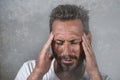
85	47
86	51
86	43
86	40
48	43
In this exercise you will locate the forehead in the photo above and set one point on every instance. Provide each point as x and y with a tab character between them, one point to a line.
69	27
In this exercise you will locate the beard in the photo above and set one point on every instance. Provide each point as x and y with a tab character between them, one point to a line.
66	67
77	61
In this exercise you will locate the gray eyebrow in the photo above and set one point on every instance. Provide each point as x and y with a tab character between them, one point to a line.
75	40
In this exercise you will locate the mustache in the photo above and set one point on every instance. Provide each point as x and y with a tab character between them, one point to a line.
67	57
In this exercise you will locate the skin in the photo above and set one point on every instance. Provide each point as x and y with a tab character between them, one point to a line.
67	39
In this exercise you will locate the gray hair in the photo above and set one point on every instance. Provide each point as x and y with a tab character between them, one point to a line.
70	12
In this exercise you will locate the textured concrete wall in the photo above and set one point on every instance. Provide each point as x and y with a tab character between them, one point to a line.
24	28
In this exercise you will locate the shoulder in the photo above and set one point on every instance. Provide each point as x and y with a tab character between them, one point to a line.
105	76
25	70
29	63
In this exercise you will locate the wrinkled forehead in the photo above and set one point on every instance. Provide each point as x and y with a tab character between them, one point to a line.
68	28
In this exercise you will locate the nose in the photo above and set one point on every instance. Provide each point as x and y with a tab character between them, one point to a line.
67	49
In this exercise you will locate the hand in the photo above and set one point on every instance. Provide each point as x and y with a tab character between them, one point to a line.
44	59
43	62
91	65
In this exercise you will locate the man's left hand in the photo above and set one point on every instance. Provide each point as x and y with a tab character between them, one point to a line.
91	65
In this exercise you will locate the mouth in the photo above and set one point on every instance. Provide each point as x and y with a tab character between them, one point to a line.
67	61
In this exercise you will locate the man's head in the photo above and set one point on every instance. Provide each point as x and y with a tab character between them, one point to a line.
68	23
70	12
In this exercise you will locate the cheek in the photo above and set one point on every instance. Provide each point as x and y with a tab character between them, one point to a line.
58	49
76	50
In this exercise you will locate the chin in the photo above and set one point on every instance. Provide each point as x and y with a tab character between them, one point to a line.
69	67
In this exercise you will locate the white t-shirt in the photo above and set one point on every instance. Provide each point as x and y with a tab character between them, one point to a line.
28	67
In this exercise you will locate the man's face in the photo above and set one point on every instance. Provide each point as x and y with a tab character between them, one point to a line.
67	43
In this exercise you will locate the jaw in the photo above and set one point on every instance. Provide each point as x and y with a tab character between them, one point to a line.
66	68
75	73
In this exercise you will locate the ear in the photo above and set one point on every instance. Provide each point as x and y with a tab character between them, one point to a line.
89	36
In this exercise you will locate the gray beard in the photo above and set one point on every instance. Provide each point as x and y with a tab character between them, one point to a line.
69	68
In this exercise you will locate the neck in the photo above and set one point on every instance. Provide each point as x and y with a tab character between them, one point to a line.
75	74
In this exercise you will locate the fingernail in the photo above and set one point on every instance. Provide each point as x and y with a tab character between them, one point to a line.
52	33
84	34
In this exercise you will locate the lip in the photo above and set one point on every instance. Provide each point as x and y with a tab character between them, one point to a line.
68	61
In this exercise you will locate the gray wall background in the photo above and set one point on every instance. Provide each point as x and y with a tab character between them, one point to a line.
24	28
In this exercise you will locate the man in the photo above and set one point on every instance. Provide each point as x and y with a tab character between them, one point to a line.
73	57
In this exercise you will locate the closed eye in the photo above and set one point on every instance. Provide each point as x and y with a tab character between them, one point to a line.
75	41
59	42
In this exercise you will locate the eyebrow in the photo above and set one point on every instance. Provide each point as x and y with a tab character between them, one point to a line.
75	40
73	37
57	33
69	40
58	40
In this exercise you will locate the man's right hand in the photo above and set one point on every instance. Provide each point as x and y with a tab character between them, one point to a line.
43	62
